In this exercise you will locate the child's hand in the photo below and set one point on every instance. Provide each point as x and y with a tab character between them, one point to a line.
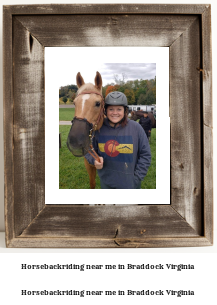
99	165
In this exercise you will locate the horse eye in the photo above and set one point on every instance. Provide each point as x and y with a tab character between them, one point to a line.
97	104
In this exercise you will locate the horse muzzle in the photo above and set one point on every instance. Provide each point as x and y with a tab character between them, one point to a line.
78	141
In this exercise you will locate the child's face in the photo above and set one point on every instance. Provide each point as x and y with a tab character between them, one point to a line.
115	113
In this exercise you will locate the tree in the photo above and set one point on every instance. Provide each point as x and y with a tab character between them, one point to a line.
71	94
129	85
65	99
111	89
150	98
130	96
62	91
141	99
73	88
121	89
65	90
136	84
72	97
138	92
154	88
104	91
119	81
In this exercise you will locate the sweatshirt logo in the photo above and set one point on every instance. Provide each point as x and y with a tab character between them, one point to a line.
112	148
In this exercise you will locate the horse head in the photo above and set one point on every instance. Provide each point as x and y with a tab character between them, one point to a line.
89	109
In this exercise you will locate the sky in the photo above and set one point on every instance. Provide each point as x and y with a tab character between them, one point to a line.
107	61
131	71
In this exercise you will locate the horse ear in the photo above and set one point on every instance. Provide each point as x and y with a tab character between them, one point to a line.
79	80
98	81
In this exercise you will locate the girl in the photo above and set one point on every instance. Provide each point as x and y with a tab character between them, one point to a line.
122	146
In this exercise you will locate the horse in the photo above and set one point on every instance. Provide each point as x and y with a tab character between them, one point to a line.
89	116
135	115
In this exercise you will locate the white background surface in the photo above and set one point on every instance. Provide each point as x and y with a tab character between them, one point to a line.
112	280
61	57
214	51
12	279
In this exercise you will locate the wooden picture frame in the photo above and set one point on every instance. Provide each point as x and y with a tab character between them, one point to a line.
186	30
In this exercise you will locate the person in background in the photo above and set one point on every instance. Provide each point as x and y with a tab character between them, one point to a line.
122	147
145	122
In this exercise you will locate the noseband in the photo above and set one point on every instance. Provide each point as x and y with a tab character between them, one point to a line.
93	127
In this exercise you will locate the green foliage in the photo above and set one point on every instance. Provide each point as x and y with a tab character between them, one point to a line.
134	89
150	98
65	99
104	90
142	99
62	91
67	91
73	87
72	172
130	96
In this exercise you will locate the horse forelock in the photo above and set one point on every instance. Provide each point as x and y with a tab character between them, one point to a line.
88	87
84	109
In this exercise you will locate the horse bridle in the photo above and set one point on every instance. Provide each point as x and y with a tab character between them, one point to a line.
93	127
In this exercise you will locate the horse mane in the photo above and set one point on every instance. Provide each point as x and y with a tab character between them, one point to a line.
88	87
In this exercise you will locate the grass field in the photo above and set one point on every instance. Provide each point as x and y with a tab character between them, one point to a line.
72	172
66	114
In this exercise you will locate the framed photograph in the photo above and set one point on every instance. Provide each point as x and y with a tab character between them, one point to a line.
121	73
182	219
66	177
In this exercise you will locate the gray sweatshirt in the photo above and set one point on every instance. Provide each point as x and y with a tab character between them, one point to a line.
126	154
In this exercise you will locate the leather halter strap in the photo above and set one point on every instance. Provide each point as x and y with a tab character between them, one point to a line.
89	92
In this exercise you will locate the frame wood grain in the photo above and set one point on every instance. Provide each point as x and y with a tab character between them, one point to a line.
186	30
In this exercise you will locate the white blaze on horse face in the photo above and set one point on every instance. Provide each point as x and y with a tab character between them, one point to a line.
84	98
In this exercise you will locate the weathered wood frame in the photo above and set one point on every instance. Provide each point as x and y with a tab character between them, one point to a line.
186	29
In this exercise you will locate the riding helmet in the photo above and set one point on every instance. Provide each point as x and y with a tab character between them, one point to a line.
116	98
